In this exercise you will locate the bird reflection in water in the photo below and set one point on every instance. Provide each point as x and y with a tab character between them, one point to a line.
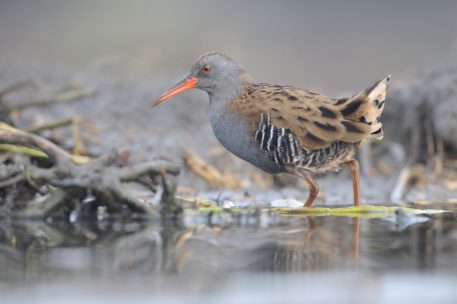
38	251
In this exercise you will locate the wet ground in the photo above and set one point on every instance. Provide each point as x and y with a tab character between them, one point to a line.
231	256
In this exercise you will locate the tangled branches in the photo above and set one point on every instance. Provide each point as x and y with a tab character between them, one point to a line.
106	177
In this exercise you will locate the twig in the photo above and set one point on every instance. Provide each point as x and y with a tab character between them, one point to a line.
210	174
50	125
13	136
78	144
23	150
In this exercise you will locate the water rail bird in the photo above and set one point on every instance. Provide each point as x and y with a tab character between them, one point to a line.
280	128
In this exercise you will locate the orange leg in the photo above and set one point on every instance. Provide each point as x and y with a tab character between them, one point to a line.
313	188
354	168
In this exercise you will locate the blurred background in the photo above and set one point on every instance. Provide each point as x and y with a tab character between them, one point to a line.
128	52
330	46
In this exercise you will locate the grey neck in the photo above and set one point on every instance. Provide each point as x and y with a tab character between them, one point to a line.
224	95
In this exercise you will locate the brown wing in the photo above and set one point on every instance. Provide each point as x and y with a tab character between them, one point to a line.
315	120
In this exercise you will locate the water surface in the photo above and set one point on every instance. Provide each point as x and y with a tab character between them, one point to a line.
210	257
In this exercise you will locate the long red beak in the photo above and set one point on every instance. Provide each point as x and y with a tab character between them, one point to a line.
187	84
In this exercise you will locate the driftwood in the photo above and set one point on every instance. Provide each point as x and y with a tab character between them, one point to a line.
106	176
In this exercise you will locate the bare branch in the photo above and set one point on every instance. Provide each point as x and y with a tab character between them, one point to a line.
106	176
50	125
12	136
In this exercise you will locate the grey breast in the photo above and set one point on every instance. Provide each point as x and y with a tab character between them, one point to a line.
233	133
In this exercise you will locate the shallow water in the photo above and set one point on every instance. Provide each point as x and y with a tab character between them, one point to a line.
231	257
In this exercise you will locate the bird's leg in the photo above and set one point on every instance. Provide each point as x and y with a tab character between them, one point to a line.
313	188
354	168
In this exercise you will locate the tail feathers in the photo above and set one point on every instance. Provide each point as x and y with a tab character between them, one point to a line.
367	106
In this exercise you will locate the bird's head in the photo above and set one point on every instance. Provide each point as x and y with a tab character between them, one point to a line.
215	73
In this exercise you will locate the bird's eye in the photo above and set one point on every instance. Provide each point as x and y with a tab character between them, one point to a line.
206	68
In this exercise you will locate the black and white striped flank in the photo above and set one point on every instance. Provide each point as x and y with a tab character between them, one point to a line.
285	150
280	142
